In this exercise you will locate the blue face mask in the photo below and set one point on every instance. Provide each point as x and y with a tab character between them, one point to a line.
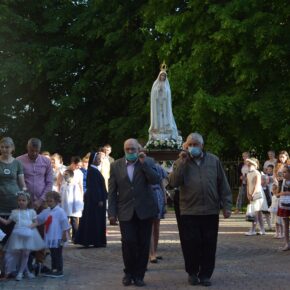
131	156
194	151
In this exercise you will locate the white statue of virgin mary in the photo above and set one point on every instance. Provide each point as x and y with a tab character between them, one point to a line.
162	125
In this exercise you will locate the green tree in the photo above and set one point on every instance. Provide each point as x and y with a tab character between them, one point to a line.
230	66
82	73
78	74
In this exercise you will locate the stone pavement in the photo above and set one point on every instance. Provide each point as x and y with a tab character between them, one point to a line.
242	263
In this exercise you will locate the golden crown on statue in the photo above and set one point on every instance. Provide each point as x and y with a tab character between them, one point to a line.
163	66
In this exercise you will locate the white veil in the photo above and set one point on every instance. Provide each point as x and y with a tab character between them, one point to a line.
170	129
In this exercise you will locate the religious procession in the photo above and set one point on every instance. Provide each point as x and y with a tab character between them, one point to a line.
109	181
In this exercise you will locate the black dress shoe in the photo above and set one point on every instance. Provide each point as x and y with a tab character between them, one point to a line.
193	279
127	280
100	246
205	282
139	282
154	261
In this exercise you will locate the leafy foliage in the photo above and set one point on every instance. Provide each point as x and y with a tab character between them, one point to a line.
78	74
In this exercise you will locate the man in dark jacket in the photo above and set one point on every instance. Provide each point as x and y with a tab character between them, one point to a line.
131	200
204	190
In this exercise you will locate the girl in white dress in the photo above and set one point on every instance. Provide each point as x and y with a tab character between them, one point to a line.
72	200
256	196
24	237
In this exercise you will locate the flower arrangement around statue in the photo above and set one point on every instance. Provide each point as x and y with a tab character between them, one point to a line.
164	144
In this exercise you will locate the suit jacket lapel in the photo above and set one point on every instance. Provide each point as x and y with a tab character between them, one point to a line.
124	169
136	168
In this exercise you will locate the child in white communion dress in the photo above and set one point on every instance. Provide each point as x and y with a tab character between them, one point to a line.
72	200
23	239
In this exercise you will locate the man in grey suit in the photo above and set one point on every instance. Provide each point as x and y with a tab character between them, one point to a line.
131	200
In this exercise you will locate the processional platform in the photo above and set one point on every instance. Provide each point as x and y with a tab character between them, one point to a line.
163	155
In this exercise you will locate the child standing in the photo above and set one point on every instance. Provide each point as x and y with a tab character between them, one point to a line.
273	209
24	237
268	195
56	232
269	173
284	204
71	200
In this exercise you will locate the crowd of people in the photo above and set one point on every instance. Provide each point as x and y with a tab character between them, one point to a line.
267	192
45	204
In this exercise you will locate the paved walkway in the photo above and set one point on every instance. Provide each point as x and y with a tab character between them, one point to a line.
242	263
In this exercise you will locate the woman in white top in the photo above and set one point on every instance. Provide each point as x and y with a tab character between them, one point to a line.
256	196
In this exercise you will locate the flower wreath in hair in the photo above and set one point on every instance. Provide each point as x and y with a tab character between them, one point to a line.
24	193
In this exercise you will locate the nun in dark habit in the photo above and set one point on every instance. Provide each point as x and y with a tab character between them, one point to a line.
92	227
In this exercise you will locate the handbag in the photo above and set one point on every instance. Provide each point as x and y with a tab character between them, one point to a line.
250	213
257	195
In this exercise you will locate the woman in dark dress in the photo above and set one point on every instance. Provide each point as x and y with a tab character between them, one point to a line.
92	227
